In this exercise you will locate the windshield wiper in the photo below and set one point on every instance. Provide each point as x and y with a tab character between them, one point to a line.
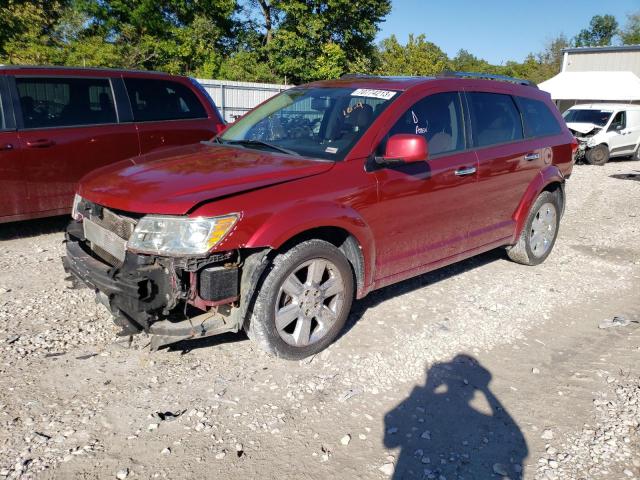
260	143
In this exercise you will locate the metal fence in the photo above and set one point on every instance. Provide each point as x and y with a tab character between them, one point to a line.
234	99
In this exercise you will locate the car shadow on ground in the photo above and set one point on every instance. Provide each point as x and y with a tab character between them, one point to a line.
359	306
455	427
627	176
33	228
379	296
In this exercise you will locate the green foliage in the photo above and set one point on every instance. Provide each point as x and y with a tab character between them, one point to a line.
277	41
630	34
601	31
417	57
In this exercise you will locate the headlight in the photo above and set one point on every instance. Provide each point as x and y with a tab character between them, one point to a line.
74	210
179	235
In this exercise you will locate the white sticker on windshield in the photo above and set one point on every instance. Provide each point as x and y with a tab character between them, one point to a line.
367	92
331	150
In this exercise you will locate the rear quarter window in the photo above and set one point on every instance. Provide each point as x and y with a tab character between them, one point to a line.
539	121
155	100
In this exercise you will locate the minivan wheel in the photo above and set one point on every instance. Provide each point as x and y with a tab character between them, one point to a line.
598	155
303	302
539	233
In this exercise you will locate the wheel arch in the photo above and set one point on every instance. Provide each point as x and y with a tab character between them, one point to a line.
338	225
551	180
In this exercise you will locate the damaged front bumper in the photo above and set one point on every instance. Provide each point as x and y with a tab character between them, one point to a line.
170	299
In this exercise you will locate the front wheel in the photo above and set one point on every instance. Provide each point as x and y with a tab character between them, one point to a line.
539	233
598	155
303	302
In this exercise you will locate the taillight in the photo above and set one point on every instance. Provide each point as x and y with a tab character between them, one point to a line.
574	145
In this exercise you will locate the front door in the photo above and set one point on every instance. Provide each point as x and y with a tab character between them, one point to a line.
622	137
69	127
425	208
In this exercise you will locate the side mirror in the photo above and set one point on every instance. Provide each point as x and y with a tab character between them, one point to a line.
405	148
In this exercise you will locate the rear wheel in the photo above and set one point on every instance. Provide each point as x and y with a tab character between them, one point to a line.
303	302
539	233
598	155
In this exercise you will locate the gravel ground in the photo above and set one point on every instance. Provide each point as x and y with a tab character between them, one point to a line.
486	369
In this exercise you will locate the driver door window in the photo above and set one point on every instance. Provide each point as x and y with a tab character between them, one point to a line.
619	122
438	118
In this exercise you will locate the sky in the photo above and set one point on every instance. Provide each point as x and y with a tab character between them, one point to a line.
497	30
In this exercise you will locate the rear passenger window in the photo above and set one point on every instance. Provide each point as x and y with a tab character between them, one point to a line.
439	119
162	100
63	102
494	119
538	119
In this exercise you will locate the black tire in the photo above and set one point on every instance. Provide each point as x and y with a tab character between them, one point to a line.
598	155
260	324
523	251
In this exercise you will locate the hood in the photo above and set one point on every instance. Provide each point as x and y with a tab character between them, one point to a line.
172	182
583	128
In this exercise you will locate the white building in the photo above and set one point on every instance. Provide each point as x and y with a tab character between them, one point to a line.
596	74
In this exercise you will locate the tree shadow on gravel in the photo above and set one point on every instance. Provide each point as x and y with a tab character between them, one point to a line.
33	228
379	296
454	427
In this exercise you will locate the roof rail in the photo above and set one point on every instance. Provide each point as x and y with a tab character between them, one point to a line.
488	76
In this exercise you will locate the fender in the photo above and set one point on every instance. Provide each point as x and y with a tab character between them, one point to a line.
550	174
308	216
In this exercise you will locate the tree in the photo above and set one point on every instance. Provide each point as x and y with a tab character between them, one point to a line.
602	29
340	32
26	29
417	57
464	61
630	34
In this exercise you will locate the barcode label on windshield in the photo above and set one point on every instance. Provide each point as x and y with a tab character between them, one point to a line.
367	92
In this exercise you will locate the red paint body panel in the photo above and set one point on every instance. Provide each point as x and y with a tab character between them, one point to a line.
41	173
173	182
407	219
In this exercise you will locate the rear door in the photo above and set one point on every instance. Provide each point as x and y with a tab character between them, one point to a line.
68	126
506	164
168	113
13	189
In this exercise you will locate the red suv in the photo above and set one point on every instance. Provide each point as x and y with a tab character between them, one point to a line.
57	124
319	196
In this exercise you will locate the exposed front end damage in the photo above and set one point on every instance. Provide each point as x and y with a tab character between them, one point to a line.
584	134
169	298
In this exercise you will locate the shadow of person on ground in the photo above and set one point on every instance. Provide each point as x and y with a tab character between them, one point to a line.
455	427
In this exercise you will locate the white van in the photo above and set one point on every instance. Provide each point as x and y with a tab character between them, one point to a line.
605	130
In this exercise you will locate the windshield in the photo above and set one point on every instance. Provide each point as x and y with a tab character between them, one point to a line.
310	121
597	117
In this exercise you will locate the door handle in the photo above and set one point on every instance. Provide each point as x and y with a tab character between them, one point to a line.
41	143
7	146
531	156
464	171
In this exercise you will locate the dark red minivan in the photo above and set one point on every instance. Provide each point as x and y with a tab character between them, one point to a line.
57	124
319	196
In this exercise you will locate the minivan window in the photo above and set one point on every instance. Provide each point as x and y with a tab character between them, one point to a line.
64	102
3	123
538	119
154	100
438	118
494	119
